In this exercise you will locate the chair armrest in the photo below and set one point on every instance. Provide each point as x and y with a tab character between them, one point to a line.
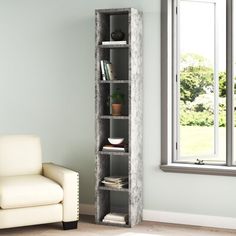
69	181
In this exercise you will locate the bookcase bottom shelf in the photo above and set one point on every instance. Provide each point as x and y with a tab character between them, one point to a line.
113	224
112	206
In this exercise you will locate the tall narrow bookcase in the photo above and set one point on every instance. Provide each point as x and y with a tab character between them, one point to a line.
127	64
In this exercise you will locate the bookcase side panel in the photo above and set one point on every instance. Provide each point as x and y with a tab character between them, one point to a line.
102	197
136	118
102	128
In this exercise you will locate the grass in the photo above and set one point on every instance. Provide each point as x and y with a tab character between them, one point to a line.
198	141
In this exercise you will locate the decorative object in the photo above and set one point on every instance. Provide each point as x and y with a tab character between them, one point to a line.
118	35
117	99
116	109
115	141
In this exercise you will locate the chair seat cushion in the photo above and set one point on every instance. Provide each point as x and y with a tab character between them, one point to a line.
28	191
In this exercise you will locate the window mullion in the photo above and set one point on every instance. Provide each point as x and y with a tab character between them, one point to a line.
176	81
216	82
230	83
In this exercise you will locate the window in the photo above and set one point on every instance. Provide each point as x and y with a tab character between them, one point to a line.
197	86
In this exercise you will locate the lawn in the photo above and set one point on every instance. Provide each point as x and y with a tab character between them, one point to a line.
198	141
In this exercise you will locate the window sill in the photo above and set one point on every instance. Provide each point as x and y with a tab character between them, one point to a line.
199	169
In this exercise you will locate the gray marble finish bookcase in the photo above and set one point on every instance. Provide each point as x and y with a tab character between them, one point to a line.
127	64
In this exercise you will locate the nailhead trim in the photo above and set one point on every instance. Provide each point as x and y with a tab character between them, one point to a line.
77	196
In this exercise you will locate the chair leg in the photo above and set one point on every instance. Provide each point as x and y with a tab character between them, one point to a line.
70	225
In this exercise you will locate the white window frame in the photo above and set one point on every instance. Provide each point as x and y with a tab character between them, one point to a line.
176	97
168	85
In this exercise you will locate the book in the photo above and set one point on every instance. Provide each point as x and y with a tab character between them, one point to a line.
107	70
116	179
105	65
110	147
110	69
114	42
113	222
115	218
102	70
115	185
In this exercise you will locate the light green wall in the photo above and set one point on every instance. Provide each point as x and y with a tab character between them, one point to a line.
47	88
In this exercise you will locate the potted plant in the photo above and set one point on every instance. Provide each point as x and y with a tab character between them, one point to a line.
117	99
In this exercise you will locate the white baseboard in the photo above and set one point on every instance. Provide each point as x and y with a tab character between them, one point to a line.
190	219
176	218
86	209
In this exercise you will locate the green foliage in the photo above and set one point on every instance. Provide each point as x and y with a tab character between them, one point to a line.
196	77
206	118
222	84
197	94
193	118
191	115
117	96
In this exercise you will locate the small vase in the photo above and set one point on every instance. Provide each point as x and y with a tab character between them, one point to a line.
117	35
116	109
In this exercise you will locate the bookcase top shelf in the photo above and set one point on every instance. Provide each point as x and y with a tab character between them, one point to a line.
114	11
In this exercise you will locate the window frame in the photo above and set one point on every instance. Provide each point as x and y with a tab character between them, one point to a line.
176	85
168	100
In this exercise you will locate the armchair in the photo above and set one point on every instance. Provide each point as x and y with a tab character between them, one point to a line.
32	192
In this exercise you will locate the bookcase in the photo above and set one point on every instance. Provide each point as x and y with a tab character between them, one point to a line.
127	66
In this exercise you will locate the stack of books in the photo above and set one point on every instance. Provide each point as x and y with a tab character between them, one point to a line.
116	218
107	70
115	148
115	182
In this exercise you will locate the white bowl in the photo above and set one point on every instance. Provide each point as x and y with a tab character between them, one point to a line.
115	141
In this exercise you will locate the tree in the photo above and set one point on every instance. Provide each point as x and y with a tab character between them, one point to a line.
222	84
196	77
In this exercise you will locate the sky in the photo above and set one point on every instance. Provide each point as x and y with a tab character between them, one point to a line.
197	25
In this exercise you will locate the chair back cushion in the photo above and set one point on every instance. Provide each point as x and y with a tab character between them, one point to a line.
20	155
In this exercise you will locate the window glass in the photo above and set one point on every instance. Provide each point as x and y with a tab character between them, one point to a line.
201	87
234	76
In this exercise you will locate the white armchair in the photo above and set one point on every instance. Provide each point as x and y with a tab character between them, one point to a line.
31	192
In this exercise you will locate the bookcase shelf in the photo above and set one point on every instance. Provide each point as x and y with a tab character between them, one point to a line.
112	224
114	81
115	117
113	189
114	153
126	60
117	46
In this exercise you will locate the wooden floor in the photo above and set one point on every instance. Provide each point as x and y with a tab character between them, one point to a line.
87	227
